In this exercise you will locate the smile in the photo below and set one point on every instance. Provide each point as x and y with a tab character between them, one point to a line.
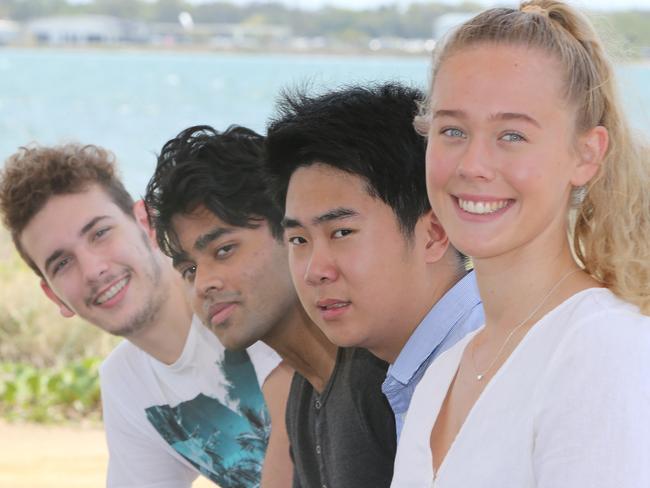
482	208
112	291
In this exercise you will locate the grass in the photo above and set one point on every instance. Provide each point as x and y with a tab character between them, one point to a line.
48	364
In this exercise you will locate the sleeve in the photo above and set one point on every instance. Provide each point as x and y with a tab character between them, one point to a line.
593	421
137	458
264	360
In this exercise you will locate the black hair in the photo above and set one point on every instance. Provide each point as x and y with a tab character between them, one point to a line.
365	131
223	171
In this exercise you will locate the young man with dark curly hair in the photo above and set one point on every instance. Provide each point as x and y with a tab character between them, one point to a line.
176	403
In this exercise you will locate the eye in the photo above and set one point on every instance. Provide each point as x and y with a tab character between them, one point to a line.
454	132
337	234
101	232
225	251
296	240
60	265
513	137
188	273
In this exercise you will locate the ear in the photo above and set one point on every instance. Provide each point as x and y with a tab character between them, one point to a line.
592	146
437	241
142	218
49	293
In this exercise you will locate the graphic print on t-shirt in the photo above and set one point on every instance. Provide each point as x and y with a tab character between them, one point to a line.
225	445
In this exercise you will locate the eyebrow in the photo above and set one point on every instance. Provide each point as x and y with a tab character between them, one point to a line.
497	116
339	213
203	240
84	230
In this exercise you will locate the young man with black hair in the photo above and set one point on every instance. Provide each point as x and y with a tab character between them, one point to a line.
213	216
176	403
370	262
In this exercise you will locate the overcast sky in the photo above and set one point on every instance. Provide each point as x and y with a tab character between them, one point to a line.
592	4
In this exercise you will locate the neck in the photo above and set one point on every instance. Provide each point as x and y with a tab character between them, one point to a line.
165	337
419	300
514	285
304	347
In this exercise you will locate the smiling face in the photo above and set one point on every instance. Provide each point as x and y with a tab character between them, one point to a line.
238	277
97	262
503	154
352	266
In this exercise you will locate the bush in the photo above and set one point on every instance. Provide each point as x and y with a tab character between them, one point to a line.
70	392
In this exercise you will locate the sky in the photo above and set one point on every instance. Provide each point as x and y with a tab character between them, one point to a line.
361	4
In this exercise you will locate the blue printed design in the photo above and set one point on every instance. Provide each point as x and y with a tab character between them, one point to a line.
226	446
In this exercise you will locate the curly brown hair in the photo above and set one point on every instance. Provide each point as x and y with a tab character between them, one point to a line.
35	173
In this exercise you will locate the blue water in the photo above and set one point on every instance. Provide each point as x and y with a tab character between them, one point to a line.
133	101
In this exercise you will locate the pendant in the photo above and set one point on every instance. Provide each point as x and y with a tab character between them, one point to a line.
479	377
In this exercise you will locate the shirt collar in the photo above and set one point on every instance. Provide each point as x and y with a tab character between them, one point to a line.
435	326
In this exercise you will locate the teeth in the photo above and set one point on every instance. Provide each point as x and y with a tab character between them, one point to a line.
336	305
481	208
111	292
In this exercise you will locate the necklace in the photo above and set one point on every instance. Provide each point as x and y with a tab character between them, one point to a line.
481	374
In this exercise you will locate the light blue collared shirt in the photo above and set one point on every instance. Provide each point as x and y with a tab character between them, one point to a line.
458	312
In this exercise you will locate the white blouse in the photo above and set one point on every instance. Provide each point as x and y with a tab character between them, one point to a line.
570	407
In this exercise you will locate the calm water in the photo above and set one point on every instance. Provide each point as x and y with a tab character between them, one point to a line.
132	102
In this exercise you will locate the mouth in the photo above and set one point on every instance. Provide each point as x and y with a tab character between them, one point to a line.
332	308
483	207
220	312
112	291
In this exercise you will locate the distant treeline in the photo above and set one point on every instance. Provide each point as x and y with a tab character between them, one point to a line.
415	21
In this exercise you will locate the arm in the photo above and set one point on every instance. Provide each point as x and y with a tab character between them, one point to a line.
593	421
278	467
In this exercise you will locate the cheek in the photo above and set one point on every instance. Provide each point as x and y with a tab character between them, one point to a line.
439	170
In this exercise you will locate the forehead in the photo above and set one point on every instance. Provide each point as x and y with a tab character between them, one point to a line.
319	186
493	78
59	222
202	223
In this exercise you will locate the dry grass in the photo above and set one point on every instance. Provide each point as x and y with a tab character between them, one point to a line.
31	329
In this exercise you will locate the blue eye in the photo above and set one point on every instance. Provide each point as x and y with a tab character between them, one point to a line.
513	137
453	132
60	265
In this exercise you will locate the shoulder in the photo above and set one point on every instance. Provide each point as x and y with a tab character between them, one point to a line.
597	317
602	342
123	359
265	360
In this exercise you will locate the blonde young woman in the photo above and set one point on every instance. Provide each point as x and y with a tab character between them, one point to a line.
526	145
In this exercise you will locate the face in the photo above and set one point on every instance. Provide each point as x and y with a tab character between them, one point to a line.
238	278
96	261
350	262
502	152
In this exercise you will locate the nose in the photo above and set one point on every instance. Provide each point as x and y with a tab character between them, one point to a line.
475	162
207	280
321	267
94	265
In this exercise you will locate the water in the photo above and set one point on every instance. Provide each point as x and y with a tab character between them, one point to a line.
133	101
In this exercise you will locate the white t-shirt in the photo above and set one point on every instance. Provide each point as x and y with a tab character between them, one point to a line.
205	413
569	408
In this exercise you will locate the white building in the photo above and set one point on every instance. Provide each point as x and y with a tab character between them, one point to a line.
86	29
9	31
